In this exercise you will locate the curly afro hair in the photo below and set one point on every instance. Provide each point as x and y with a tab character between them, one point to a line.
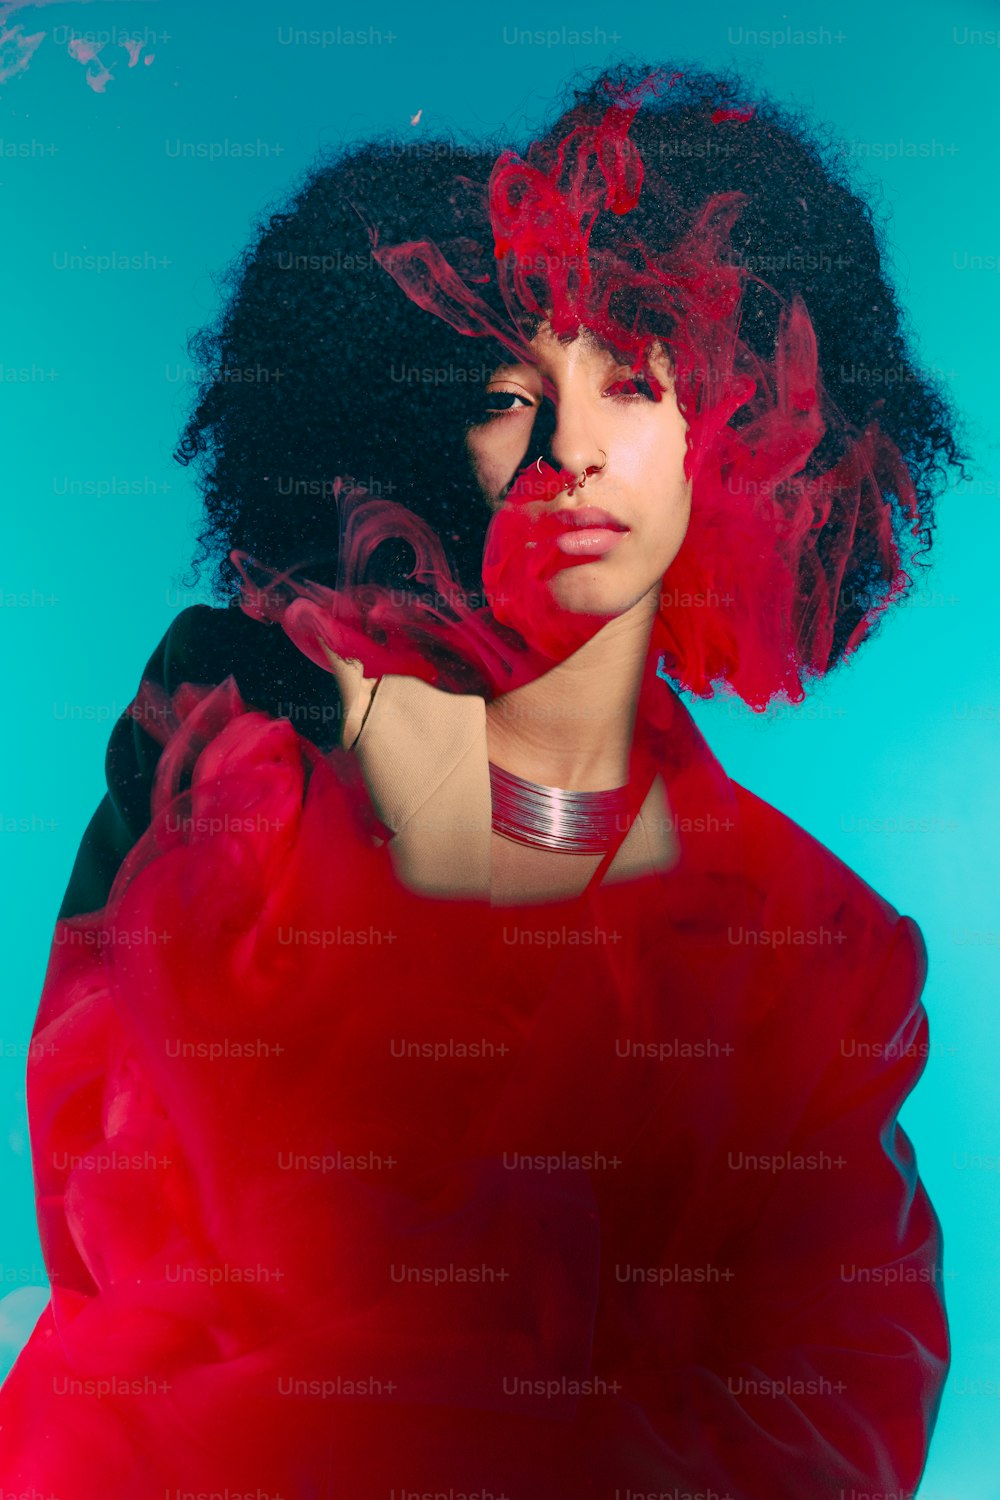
321	364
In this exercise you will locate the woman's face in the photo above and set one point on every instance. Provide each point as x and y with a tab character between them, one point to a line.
578	409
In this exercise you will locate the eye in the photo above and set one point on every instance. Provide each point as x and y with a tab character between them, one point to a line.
498	404
641	385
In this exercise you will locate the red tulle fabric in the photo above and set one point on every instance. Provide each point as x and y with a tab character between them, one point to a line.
346	1191
751	599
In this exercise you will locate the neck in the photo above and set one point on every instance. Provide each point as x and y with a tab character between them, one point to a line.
573	726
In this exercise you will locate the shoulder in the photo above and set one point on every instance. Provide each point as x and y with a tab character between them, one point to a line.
809	890
788	858
204	645
208	643
843	970
205	642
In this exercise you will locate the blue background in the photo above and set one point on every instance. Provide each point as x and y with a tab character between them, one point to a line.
892	764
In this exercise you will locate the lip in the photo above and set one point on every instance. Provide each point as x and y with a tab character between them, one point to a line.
588	517
589	541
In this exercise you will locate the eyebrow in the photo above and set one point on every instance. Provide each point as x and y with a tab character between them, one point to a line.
585	334
590	338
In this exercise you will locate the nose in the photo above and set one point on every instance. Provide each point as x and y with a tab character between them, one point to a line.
564	436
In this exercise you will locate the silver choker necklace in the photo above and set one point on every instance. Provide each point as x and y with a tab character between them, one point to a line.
548	817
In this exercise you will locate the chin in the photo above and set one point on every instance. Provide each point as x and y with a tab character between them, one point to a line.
587	590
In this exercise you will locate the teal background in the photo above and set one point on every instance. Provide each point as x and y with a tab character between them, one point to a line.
907	735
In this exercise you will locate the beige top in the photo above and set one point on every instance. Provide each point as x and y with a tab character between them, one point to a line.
423	755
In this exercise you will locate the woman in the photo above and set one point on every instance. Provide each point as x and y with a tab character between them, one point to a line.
446	1077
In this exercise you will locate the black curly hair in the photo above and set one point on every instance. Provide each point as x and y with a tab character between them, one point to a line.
320	365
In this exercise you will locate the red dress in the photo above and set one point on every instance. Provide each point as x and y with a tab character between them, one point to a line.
346	1191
